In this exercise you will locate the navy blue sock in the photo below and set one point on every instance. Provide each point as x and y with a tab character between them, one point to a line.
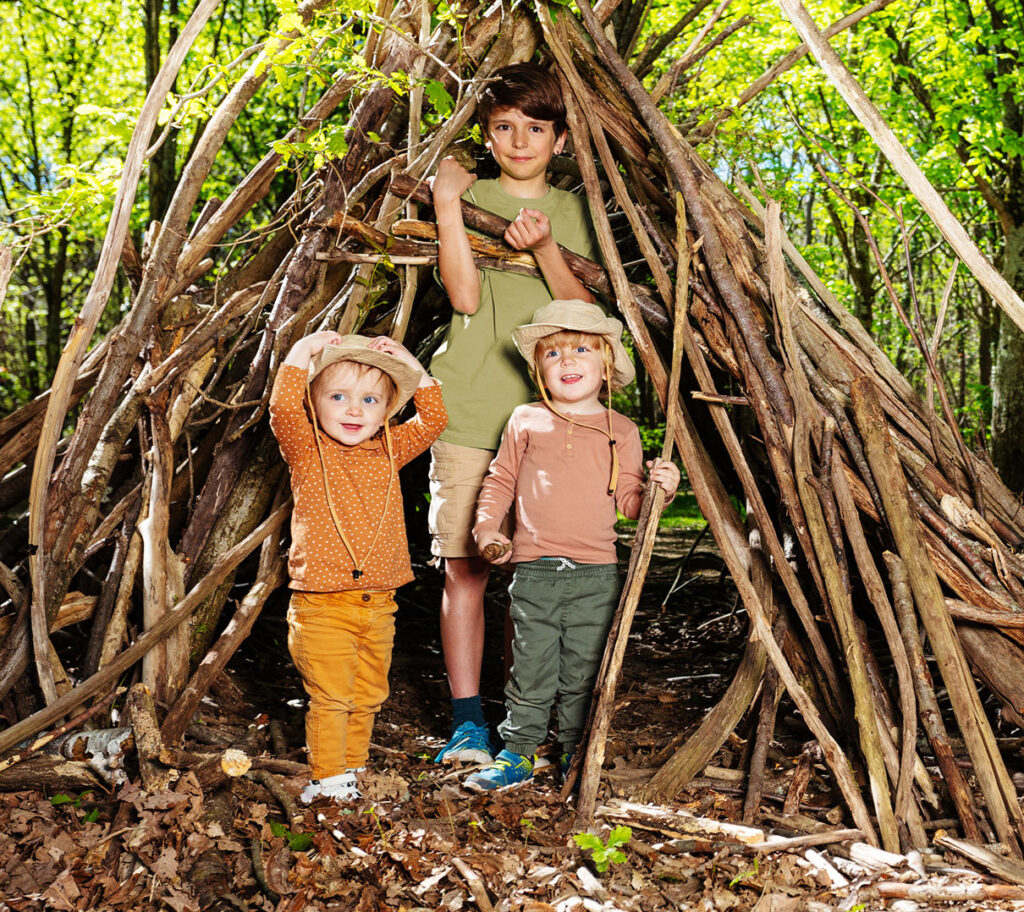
467	709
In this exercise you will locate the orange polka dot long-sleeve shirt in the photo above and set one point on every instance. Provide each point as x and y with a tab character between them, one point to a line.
358	478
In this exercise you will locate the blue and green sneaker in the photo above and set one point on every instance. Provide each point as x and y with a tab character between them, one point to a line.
470	743
507	769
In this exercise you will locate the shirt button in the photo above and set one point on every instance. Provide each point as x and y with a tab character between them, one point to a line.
366	596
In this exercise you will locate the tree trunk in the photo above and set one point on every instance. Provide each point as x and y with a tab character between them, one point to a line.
162	172
1008	382
987	315
31	353
54	291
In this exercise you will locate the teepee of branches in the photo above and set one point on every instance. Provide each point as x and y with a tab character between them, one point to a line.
871	537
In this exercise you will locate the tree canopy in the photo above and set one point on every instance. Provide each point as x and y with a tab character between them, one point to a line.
946	76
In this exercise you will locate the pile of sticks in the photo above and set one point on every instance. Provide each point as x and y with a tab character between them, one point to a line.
867	520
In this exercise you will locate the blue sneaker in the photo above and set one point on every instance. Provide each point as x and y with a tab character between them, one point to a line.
469	743
507	769
565	761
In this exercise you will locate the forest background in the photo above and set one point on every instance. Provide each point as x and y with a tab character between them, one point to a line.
948	77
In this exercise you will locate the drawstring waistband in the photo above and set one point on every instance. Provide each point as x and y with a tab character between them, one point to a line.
563	563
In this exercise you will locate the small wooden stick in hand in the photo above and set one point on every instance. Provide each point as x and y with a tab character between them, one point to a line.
495	551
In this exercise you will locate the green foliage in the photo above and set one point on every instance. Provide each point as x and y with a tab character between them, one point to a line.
63	798
746	875
948	79
445	12
326	141
72	83
297	842
439	97
528	828
604	854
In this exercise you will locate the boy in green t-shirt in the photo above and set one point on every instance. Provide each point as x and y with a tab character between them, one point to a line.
522	113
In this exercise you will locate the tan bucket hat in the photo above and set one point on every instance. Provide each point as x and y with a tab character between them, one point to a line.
356	348
577	316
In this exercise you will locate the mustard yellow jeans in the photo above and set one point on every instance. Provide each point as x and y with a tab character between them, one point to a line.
341	644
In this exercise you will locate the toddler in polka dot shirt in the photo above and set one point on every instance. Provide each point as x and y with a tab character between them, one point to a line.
330	408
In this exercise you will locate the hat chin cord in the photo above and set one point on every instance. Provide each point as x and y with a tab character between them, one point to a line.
606	357
357	564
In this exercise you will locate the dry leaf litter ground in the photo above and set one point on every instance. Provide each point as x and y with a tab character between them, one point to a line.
419	841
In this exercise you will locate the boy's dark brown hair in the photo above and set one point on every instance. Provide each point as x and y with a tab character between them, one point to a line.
527	87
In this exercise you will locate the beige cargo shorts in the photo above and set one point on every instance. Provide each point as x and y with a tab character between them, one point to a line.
456	476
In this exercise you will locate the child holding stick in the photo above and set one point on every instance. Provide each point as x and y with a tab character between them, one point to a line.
566	463
522	114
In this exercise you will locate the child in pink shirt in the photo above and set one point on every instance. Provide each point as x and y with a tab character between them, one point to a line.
566	463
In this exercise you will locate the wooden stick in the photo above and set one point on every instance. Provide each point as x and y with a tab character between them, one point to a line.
770	694
555	36
98	707
825	546
828	837
678	156
995	781
1009	870
475	883
148	744
872	581
931	714
647	525
165	667
270	575
588	272
111	672
941	893
273	785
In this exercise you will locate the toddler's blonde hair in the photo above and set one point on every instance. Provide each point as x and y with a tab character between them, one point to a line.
356	369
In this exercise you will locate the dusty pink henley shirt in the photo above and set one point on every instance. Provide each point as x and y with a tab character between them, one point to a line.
556	473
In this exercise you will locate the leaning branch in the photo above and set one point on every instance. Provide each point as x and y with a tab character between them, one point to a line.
869	116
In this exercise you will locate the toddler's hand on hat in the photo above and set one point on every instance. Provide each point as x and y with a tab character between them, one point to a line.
529	230
450	182
397	350
666	475
308	347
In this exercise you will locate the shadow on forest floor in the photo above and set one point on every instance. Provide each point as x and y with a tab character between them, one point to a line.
684	646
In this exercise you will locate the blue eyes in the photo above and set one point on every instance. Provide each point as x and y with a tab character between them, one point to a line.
366	400
578	350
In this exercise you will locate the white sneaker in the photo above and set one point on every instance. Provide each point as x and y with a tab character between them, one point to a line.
341	787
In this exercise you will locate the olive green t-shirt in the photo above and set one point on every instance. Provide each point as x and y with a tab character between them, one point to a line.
483	375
